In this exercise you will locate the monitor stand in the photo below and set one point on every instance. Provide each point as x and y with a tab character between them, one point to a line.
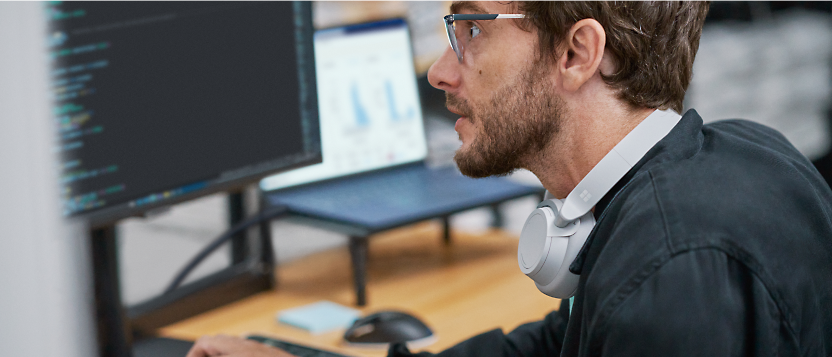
119	327
114	335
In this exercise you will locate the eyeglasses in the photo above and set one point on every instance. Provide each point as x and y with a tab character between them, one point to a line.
459	36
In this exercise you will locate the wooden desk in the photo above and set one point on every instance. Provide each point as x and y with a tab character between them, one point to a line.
469	287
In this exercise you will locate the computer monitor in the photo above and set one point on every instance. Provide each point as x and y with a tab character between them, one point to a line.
161	102
156	103
369	107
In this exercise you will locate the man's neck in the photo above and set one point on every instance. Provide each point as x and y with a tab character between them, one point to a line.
586	136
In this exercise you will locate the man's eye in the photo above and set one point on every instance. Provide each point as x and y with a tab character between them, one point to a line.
475	30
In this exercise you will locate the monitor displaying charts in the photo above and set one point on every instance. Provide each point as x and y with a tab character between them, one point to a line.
368	103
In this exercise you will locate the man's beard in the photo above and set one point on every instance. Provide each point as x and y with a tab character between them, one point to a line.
520	121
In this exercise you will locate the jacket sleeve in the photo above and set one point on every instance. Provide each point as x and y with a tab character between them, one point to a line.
701	303
539	338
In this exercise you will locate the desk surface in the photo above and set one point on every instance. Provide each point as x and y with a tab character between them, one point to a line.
469	287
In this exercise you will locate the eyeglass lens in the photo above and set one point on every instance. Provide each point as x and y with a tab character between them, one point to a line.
449	26
459	34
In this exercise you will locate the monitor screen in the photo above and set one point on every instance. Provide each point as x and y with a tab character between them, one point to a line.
368	101
160	102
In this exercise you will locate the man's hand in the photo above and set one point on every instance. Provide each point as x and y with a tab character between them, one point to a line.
223	345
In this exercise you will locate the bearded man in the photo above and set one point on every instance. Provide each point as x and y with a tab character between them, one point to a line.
717	240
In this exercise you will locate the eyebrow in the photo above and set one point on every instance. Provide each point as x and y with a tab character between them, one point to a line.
460	6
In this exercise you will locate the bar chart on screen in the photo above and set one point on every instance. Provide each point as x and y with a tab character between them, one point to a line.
368	105
368	102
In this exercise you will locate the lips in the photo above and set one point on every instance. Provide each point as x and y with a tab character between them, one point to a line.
458	106
463	120
457	112
459	123
463	114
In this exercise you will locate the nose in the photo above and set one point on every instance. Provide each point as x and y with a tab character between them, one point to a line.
444	73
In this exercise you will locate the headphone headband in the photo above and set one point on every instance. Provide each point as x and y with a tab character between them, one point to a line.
615	165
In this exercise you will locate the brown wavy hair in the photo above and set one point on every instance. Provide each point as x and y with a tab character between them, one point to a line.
653	43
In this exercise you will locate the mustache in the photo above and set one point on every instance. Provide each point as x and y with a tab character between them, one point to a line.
458	105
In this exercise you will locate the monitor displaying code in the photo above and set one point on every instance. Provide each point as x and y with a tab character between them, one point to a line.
159	101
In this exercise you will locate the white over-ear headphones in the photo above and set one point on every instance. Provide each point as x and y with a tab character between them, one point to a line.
556	231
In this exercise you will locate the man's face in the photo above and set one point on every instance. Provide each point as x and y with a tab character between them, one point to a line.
502	93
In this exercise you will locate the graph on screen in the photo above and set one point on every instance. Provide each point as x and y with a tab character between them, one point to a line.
368	103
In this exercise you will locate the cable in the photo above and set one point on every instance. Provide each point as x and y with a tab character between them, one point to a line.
267	214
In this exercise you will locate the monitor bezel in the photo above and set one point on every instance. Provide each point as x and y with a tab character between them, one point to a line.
111	215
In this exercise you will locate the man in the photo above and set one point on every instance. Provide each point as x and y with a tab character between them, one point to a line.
717	242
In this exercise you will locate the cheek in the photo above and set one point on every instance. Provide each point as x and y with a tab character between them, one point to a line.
490	74
482	84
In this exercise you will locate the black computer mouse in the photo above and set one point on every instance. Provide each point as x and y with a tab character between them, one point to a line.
380	329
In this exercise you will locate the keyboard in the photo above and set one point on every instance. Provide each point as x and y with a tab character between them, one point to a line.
293	348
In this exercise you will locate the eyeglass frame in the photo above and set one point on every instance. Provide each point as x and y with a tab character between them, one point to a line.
450	29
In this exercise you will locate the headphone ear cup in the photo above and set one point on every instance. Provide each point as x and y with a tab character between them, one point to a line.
545	250
564	284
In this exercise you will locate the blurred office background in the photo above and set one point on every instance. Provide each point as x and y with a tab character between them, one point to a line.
768	62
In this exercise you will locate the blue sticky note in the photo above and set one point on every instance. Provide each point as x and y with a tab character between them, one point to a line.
319	317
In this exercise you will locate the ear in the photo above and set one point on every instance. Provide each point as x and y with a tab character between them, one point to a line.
583	51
